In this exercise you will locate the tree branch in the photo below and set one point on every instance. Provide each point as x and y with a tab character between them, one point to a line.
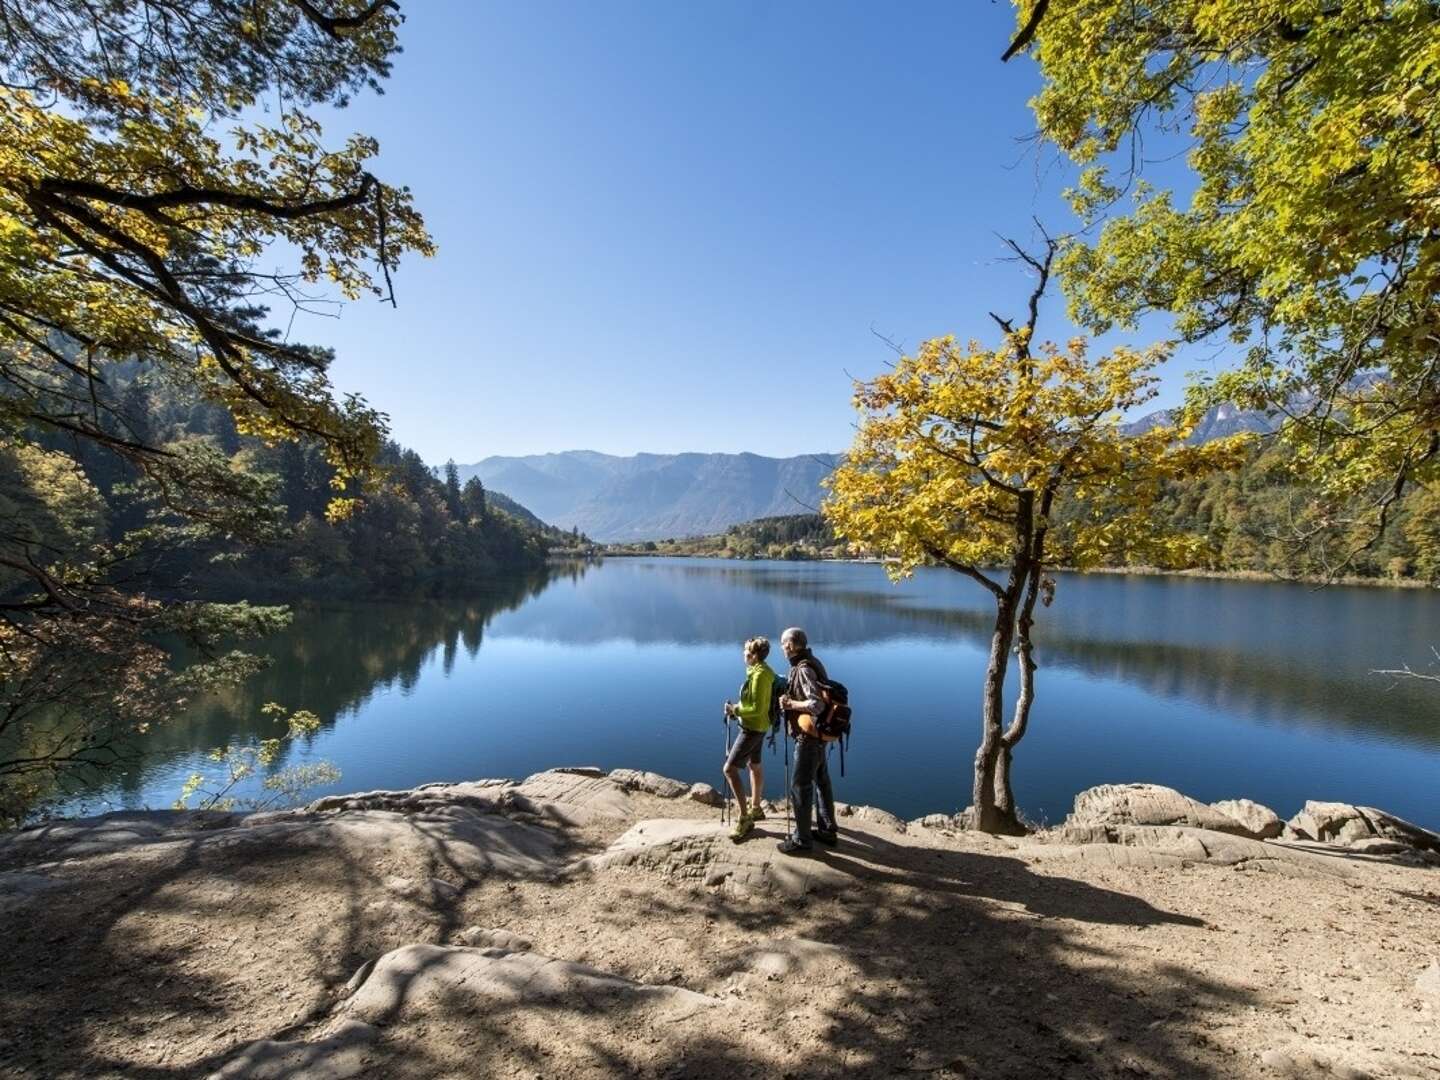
1027	32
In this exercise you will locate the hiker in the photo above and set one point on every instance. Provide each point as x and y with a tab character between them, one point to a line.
753	712
802	701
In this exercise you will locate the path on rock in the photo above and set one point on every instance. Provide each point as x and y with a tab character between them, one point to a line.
570	925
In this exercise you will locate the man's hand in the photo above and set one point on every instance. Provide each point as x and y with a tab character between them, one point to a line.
729	708
784	701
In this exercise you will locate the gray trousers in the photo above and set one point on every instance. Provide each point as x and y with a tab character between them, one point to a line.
812	777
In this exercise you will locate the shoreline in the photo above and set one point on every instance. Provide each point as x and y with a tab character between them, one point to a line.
1312	580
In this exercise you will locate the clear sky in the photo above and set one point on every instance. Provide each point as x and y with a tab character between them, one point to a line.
671	226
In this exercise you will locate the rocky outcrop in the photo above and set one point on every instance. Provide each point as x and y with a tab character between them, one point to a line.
872	814
1149	804
412	987
701	852
1260	821
1169	845
649	782
943	822
706	795
1363	828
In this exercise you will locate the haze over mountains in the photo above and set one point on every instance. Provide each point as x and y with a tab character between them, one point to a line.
655	496
659	496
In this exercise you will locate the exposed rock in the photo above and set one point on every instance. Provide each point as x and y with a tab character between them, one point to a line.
1148	804
74	838
1260	821
1344	823
945	822
873	814
683	848
477	794
412	977
592	771
479	937
342	1055
1428	981
649	782
706	795
569	798
1168	845
469	842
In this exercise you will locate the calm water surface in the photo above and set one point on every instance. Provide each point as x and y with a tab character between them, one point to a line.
1221	689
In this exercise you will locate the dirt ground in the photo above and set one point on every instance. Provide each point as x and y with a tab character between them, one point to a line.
163	946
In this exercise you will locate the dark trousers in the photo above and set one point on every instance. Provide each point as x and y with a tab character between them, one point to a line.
812	778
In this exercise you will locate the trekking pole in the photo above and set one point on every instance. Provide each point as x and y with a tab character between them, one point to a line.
788	832
725	780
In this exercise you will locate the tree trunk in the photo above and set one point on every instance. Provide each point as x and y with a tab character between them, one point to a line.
1035	570
1004	795
986	815
992	760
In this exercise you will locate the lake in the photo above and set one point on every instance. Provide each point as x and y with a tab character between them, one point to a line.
1223	689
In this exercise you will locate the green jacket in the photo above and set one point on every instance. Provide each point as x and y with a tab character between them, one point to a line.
754	708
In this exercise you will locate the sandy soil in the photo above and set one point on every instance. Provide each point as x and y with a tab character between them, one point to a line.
163	946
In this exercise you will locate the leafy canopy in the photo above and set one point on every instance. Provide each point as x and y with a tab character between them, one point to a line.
963	453
140	185
1312	238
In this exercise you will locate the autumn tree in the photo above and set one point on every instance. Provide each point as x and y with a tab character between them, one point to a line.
963	456
1310	243
152	152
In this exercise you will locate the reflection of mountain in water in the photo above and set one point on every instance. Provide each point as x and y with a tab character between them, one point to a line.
1265	653
1268	651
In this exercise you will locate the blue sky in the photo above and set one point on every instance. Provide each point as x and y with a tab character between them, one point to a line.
671	226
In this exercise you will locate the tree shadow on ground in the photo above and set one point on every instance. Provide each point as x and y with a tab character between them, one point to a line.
944	962
142	960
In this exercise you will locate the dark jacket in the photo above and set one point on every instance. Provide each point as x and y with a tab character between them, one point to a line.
804	685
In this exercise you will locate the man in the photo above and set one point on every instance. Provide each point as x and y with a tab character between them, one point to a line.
803	697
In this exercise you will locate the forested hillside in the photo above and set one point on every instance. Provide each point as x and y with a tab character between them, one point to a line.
410	526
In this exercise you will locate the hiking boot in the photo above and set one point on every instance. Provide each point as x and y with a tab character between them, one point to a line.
756	814
791	846
825	836
742	829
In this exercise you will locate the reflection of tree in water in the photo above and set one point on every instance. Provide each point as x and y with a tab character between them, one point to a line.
331	660
1288	690
1109	630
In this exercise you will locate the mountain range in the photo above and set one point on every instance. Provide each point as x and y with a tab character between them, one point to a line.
1218	422
655	496
663	496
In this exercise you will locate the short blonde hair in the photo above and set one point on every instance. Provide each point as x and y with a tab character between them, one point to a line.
758	647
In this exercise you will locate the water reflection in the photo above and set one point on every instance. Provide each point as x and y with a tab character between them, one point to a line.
332	660
1272	652
557	665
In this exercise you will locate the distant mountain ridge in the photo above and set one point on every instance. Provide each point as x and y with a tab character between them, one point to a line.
655	496
664	496
1218	422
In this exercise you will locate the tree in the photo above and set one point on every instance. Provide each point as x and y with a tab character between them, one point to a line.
473	497
1312	238
140	186
962	458
453	500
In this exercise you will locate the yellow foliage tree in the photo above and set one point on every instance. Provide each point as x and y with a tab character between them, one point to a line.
963	458
1309	242
139	187
152	152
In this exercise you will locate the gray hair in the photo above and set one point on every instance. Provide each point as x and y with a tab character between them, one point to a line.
796	635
